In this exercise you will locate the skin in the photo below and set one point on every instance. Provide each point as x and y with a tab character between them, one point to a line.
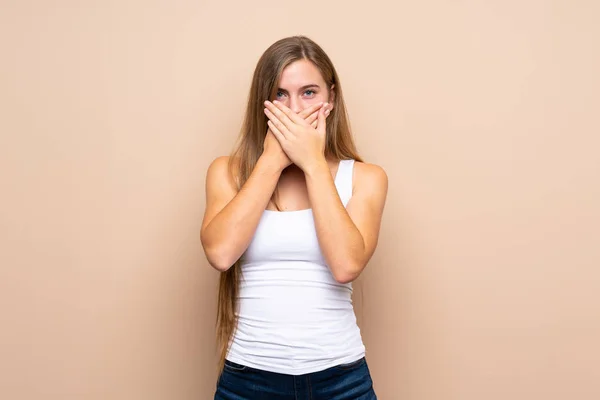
294	162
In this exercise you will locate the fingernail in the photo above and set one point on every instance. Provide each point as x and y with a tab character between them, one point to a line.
275	102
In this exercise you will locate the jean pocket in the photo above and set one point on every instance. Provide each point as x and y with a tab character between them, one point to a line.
352	365
235	367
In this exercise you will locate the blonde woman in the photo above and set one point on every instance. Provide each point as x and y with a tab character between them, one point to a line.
292	218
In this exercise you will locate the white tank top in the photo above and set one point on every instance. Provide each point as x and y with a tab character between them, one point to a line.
294	318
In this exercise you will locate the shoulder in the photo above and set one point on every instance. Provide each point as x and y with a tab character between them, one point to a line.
223	164
370	176
369	188
219	171
219	164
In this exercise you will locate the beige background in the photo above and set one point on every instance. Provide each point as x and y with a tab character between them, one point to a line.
485	114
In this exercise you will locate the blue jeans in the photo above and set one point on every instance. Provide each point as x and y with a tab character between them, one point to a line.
343	382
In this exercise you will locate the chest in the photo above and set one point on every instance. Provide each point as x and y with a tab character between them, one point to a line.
285	236
291	193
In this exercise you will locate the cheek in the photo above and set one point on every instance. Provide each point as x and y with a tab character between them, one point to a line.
321	97
283	100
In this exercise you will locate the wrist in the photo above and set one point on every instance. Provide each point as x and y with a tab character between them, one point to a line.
316	167
269	164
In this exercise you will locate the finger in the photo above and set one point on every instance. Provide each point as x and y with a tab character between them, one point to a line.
280	116
310	110
322	128
313	117
277	123
276	132
286	115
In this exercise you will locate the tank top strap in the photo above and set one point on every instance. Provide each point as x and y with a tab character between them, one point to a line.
343	180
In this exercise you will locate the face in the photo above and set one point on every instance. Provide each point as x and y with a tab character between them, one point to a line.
301	85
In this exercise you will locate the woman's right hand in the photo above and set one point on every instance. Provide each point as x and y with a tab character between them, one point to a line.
272	148
274	152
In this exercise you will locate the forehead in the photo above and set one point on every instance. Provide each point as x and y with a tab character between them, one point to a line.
300	73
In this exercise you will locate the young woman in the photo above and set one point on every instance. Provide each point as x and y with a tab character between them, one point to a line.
292	218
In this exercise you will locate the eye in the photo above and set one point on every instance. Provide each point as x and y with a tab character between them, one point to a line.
309	92
280	94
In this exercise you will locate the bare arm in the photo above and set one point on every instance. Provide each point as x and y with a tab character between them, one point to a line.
231	217
347	236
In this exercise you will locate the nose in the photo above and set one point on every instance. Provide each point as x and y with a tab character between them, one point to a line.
295	105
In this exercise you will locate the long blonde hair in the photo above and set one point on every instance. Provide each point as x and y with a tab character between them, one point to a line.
339	146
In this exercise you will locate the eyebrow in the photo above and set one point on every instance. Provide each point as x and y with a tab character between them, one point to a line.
312	85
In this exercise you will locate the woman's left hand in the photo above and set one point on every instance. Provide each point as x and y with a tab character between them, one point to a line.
303	144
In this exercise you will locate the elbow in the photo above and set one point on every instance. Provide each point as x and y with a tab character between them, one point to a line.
221	264
348	273
220	261
219	258
344	279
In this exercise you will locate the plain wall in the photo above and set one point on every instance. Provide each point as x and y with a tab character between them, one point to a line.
485	115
